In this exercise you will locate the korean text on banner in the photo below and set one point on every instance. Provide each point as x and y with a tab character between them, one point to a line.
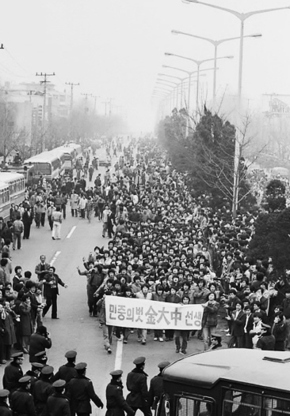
147	314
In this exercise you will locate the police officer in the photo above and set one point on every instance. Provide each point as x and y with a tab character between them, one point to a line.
81	391
156	386
13	372
34	373
5	410
138	398
116	403
21	400
41	357
67	371
57	403
43	389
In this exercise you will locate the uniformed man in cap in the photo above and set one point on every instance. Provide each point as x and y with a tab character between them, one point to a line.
13	372
81	391
116	403
57	403
21	400
43	389
156	386
34	373
5	410
41	357
67	371
138	398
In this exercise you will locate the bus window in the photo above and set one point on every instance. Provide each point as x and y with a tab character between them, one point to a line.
275	407
190	406
238	403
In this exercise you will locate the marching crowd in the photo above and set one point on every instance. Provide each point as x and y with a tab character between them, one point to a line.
164	245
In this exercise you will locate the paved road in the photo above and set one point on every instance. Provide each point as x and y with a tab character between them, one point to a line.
75	329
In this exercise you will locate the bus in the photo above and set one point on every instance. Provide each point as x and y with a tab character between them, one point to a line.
47	165
16	183
227	382
5	202
68	154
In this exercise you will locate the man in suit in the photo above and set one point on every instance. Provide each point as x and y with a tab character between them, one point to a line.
27	219
42	268
238	319
248	326
51	282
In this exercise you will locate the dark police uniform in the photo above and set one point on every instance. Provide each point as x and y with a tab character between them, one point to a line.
21	400
116	403
80	392
138	398
43	389
67	371
57	403
5	410
156	386
12	373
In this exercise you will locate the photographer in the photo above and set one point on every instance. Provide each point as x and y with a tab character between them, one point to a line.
39	341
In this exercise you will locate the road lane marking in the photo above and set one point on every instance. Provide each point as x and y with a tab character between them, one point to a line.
57	253
71	231
119	355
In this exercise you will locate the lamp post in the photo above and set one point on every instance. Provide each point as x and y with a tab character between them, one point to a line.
189	79
181	85
242	18
215	43
198	63
166	83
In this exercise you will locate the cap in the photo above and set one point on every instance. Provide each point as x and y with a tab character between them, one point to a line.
17	355
81	366
24	380
37	365
139	360
4	393
216	334
116	373
71	354
163	364
59	383
40	354
47	369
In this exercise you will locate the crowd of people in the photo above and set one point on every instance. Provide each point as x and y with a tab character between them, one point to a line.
164	245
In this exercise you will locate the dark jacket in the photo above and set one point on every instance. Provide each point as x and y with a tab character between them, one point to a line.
12	373
21	402
116	403
238	324
210	313
5	409
80	392
41	392
38	343
58	405
66	372
47	292
137	386
155	390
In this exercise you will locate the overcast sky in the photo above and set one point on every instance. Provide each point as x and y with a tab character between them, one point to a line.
115	48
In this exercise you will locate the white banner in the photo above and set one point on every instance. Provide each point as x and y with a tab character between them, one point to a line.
148	314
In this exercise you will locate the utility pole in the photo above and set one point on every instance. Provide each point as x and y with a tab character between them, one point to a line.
86	101
44	82
95	105
72	85
109	101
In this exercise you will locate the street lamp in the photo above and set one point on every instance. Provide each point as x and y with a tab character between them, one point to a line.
189	73
215	43
242	17
181	86
165	83
198	63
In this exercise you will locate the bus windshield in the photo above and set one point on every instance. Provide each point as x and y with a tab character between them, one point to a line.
42	168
